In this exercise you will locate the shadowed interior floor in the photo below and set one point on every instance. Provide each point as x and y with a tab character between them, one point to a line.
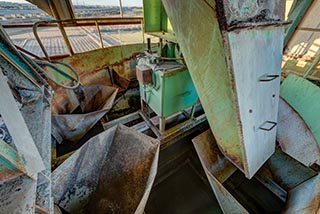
181	185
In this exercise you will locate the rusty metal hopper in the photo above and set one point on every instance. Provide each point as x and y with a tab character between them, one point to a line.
218	169
112	173
95	101
305	198
289	186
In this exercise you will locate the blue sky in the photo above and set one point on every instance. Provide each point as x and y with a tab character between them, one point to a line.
96	2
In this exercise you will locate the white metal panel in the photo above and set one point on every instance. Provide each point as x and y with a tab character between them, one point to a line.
19	130
255	54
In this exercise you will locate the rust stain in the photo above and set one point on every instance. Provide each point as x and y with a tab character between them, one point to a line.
123	183
101	75
219	8
6	174
215	162
235	160
122	169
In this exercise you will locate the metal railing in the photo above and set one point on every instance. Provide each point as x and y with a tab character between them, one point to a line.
79	22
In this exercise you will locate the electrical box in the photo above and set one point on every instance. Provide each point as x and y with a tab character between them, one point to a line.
144	74
172	89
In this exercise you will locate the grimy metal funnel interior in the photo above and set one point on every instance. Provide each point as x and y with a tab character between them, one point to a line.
94	102
282	182
112	173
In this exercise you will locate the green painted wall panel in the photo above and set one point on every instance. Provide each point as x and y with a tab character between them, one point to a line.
152	15
304	97
155	17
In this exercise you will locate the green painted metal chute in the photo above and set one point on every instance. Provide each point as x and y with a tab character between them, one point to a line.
156	20
164	80
234	58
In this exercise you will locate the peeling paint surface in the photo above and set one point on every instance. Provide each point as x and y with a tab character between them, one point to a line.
92	65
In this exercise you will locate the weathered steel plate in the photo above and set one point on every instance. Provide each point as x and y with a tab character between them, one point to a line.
285	171
27	120
33	99
18	195
95	102
305	198
279	174
92	65
11	165
295	137
218	169
64	101
237	11
112	173
206	61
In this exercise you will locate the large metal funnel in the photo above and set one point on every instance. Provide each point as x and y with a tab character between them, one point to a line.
94	101
233	50
290	187
112	173
218	169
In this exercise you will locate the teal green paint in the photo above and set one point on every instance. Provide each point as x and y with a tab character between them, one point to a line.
9	158
269	35
197	30
6	46
304	97
152	15
63	78
295	15
169	50
170	94
16	59
312	67
155	17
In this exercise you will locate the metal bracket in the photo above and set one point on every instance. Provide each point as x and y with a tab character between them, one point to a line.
264	128
268	77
